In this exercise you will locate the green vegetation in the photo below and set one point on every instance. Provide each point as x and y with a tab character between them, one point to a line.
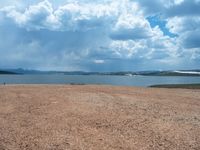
6	72
168	73
183	86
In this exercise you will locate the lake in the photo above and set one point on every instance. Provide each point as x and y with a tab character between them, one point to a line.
141	81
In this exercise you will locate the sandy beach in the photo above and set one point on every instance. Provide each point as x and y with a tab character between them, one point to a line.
93	117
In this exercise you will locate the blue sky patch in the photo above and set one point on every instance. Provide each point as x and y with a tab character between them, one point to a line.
157	21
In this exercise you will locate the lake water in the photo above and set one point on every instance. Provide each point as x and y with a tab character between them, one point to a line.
142	81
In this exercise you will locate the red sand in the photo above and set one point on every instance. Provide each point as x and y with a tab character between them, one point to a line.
98	117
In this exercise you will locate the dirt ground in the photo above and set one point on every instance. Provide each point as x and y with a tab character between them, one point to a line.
91	117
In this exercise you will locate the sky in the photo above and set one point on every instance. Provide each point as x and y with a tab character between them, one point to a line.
100	35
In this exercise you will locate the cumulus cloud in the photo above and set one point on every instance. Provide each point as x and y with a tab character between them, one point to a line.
188	30
97	35
131	27
184	8
72	16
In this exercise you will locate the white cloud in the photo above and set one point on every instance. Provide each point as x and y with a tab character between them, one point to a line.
182	24
187	28
83	32
39	16
178	2
98	61
67	17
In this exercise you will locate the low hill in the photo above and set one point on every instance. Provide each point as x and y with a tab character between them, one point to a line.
7	72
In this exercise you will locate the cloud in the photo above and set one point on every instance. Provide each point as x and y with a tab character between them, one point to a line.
152	7
72	16
188	30
170	8
97	35
96	61
191	39
130	34
184	8
37	17
130	27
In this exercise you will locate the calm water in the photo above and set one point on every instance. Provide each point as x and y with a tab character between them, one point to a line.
96	79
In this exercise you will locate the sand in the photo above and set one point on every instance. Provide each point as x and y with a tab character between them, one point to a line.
93	117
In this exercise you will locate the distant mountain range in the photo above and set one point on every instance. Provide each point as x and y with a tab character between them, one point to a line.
123	73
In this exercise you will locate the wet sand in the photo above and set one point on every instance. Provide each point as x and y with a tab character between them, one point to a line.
84	117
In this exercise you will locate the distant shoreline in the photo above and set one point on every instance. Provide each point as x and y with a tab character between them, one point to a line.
117	73
183	86
7	73
171	86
